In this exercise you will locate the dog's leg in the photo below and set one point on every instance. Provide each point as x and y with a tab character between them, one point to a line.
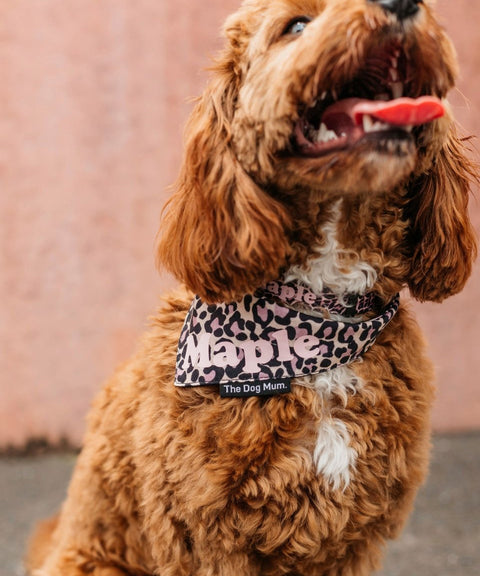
68	565
71	562
40	545
38	564
236	564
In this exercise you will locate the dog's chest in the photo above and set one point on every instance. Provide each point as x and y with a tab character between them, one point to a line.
333	457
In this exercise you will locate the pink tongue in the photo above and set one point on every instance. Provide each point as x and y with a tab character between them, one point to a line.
398	112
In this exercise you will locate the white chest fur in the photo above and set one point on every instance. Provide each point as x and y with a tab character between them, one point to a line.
333	456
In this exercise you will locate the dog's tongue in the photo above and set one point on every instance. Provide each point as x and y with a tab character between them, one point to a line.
398	112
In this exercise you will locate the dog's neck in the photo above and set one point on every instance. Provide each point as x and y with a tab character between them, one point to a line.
332	266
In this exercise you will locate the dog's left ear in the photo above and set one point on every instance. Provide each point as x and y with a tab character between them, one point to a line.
443	240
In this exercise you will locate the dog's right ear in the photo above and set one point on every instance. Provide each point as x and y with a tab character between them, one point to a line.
221	234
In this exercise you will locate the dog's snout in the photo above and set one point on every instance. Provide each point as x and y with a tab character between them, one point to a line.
403	9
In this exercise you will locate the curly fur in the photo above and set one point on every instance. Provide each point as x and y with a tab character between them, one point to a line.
181	482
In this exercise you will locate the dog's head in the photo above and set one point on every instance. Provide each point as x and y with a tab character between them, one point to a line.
312	101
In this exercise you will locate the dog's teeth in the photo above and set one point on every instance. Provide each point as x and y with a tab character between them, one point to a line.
334	95
397	89
383	97
393	75
378	126
321	133
324	95
394	62
367	123
325	135
408	128
404	148
391	146
313	104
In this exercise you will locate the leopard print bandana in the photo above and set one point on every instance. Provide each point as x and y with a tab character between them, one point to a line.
255	346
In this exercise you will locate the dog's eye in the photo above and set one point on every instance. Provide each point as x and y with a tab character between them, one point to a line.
296	26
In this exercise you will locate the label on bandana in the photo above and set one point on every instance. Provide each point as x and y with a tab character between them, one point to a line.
254	343
255	388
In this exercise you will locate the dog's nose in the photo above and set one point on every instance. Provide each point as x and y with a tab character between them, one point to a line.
402	8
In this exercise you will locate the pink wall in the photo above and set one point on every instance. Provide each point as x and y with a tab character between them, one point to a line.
93	97
453	328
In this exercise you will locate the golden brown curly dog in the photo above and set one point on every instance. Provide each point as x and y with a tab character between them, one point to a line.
321	164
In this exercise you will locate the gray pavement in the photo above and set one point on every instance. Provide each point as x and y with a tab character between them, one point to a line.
442	537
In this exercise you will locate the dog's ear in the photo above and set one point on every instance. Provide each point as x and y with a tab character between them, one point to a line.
221	234
443	239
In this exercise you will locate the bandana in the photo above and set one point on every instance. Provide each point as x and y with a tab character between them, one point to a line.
255	346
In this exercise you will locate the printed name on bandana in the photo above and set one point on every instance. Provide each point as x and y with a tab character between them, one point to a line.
255	353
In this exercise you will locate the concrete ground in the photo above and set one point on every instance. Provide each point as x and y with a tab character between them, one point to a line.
442	538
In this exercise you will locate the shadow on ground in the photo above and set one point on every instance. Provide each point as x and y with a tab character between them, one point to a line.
441	539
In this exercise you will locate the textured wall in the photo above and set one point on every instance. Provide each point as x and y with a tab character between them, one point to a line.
453	328
93	97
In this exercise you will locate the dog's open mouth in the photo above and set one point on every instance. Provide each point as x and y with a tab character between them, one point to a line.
379	103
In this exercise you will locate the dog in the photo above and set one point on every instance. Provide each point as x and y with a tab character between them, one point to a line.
275	419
